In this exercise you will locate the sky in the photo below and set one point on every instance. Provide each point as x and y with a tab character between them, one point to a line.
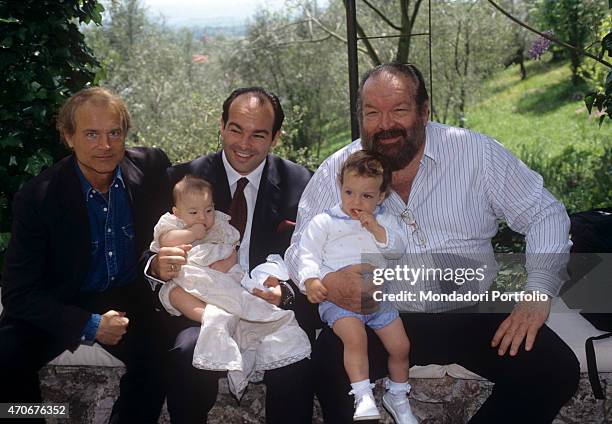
207	12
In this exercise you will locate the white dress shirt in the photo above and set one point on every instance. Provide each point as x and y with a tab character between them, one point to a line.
465	184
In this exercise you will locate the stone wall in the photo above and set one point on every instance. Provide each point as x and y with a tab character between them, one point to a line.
91	391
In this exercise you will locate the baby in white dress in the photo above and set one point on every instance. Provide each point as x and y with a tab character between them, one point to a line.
240	332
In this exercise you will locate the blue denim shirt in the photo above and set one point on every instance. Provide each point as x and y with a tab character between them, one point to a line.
113	257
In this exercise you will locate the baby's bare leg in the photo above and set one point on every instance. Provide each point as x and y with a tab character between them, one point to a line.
187	304
395	341
352	333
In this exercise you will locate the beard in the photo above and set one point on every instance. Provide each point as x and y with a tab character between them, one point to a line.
403	151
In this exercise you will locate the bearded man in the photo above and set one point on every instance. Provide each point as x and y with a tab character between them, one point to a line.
450	187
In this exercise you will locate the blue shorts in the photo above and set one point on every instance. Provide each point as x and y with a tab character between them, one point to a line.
330	313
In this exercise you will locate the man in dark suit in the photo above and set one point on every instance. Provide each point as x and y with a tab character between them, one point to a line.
250	127
73	271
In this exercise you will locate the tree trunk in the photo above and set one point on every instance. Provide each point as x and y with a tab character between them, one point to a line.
522	66
407	23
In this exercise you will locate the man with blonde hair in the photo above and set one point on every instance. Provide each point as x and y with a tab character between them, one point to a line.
72	273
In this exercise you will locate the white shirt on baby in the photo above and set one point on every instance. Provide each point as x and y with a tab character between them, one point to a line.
333	240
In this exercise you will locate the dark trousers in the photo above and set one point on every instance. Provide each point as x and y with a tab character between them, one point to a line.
192	392
529	388
306	314
25	349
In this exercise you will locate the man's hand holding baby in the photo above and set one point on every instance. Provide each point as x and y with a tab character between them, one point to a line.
166	265
273	294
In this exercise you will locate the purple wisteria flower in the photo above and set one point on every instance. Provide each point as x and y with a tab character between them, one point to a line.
539	46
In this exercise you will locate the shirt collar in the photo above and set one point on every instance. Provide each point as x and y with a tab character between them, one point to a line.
430	146
86	185
233	176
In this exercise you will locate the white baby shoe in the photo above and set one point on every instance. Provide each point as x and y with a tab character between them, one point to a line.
365	407
397	405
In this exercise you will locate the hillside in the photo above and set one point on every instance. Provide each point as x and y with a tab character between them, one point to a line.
543	120
542	112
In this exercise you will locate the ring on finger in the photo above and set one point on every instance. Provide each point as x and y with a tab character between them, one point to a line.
172	267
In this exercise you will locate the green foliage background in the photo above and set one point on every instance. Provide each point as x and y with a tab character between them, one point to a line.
173	100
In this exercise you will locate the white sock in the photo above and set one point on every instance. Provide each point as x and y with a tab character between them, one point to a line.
362	387
398	388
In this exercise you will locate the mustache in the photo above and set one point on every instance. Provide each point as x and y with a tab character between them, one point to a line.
390	133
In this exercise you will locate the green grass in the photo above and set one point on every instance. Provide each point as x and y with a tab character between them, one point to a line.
543	120
543	112
335	142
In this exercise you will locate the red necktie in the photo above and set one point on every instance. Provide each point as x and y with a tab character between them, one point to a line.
238	208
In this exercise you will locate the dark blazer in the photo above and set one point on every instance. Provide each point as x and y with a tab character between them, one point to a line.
280	189
49	252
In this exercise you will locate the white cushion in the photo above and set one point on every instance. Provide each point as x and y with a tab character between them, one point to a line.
439	371
574	329
87	355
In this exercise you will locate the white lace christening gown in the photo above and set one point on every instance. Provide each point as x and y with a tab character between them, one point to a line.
240	332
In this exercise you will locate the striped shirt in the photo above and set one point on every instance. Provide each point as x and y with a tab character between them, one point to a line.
466	183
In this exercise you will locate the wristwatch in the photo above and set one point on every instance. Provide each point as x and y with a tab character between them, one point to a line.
287	294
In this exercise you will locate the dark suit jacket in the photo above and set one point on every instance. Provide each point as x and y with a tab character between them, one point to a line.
49	253
280	189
